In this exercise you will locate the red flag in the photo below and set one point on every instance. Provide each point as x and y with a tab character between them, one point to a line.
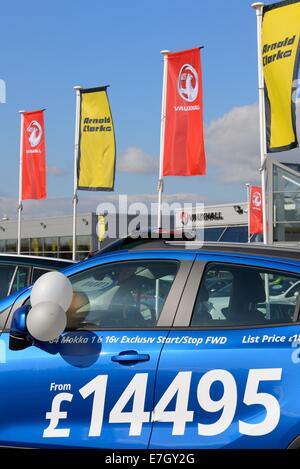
183	138
256	213
33	156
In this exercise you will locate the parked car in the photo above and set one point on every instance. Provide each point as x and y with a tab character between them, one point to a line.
143	364
288	295
17	272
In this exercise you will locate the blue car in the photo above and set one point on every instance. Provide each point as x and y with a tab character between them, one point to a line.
146	361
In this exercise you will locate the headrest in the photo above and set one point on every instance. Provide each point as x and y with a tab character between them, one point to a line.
78	310
248	286
203	293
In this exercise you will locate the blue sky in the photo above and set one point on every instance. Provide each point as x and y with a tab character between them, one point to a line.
48	47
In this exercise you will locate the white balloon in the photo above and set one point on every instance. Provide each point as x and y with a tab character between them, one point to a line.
46	321
54	287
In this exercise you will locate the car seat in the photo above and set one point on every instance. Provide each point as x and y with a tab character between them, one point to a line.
247	291
201	316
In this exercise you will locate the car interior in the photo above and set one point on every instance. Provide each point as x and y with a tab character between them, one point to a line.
244	299
125	295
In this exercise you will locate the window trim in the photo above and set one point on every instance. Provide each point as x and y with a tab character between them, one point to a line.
33	268
12	281
297	309
28	280
186	307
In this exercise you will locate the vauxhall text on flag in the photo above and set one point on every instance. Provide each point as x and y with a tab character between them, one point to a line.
97	150
256	213
280	58
183	137
33	156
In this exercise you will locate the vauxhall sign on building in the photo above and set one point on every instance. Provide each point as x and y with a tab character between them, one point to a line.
213	215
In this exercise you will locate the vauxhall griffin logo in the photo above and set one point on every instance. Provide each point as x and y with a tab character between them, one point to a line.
187	83
35	133
256	199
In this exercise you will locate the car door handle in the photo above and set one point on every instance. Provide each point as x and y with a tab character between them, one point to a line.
130	356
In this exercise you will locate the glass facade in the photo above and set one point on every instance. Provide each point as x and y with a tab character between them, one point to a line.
36	246
11	245
50	246
230	234
213	234
238	234
286	204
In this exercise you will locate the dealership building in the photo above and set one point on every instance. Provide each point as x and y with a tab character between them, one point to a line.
52	236
229	222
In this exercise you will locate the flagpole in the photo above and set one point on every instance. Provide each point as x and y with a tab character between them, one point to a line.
160	186
76	147
248	212
258	7
20	205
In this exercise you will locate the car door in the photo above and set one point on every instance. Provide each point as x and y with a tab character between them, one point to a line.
94	386
230	381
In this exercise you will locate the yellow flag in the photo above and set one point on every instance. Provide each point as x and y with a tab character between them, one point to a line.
280	56
97	149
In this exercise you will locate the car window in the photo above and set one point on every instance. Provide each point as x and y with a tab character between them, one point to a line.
247	297
6	274
20	279
120	295
37	273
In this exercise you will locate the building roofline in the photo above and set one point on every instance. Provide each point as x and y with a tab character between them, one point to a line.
27	256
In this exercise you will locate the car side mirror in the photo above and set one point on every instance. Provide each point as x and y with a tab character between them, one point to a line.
19	337
42	323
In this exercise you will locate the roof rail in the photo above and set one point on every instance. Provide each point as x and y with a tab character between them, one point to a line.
256	249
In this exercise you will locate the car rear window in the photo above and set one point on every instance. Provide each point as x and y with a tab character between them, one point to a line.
231	295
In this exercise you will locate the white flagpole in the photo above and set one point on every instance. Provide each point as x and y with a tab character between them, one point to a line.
160	186
20	205
248	210
76	147
258	7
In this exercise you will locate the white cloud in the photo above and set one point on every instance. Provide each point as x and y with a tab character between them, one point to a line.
232	145
57	206
134	160
56	171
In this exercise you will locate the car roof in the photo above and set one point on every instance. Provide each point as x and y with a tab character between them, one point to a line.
256	249
36	261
